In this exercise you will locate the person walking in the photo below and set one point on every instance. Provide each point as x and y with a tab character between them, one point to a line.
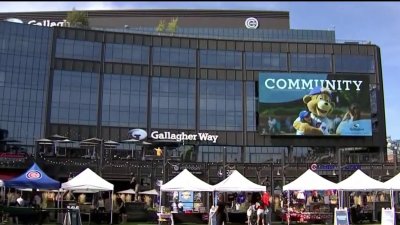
221	214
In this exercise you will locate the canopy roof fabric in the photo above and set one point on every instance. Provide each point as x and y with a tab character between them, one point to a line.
128	191
186	181
34	177
393	183
360	181
310	180
88	181
237	182
149	192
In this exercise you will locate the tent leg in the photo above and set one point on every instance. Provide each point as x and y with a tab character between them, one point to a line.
112	202
159	205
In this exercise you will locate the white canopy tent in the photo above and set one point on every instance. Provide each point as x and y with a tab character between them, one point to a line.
310	180
359	181
127	191
393	185
186	181
149	192
237	182
89	181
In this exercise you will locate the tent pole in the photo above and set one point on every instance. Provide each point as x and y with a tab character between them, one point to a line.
159	206
391	199
112	207
288	204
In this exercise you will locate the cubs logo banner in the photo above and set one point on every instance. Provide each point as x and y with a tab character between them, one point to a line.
313	104
33	175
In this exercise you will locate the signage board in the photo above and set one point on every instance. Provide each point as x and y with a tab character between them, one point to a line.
341	217
311	104
387	216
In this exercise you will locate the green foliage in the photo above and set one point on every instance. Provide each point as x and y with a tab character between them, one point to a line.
172	25
161	26
77	18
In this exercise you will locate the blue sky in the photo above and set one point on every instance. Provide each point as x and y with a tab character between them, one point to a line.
377	22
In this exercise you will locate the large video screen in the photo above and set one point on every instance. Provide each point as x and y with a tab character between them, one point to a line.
314	104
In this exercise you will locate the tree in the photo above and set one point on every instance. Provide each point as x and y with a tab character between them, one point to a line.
77	18
161	26
172	25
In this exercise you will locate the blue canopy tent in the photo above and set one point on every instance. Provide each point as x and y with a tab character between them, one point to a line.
33	178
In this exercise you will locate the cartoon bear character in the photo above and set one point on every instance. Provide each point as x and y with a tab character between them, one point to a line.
319	103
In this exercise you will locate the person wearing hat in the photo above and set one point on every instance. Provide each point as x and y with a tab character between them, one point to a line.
305	117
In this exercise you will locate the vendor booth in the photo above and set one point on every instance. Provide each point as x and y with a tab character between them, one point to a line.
236	182
89	181
367	197
316	205
394	185
33	178
185	184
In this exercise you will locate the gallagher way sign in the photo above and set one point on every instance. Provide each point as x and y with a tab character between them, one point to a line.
182	136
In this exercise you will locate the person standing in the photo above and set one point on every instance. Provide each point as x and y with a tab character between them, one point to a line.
220	214
267	207
260	210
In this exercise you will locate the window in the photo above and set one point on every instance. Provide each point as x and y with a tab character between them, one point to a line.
221	105
124	53
125	100
264	154
355	63
74	98
76	49
216	154
266	61
310	62
220	59
174	57
173	103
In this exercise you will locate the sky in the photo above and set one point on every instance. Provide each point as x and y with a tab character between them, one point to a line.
377	22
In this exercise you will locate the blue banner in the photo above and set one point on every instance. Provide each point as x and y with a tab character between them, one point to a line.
186	197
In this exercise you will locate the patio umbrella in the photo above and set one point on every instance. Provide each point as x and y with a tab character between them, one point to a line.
56	138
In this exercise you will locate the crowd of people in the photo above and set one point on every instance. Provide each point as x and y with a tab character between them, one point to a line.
258	213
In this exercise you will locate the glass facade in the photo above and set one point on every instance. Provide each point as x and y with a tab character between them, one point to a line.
109	88
125	101
220	59
124	53
251	106
221	105
164	56
266	61
311	62
355	63
216	154
173	103
265	154
24	71
74	98
292	35
76	49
